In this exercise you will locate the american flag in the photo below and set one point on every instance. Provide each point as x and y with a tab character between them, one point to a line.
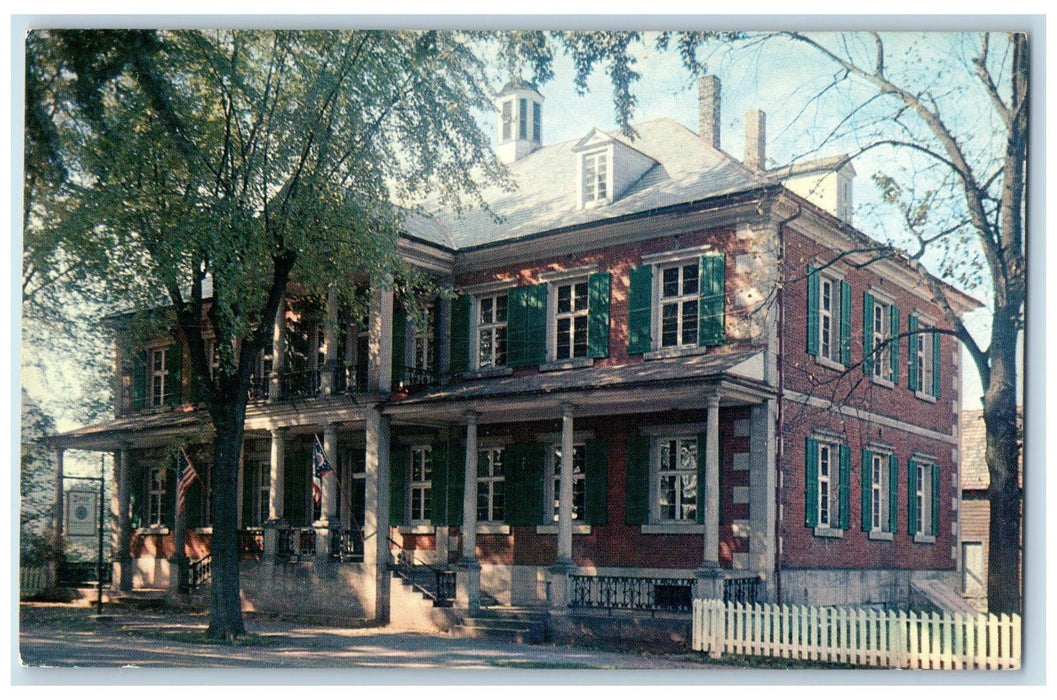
320	468
185	477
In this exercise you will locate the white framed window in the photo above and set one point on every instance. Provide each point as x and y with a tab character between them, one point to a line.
924	359
923	498
579	482
882	362
420	490
159	376
490	485
262	482
675	468
522	114
491	331
679	295
507	130
156	496
879	481
594	185
422	343
570	318
828	481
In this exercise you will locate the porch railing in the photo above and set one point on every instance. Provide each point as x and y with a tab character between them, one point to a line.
296	542
745	589
250	544
346	545
259	388
348	378
197	573
424	576
416	379
631	593
300	384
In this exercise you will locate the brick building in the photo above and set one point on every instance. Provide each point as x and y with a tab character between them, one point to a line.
660	370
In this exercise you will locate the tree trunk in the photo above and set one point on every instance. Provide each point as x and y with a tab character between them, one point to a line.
1003	463
225	618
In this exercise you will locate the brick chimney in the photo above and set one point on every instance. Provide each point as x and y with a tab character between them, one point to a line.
708	104
756	140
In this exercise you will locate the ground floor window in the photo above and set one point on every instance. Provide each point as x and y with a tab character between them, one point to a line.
421	485
827	498
156	496
490	485
675	460
579	474
880	491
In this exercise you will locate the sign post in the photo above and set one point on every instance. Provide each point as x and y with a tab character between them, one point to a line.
83	518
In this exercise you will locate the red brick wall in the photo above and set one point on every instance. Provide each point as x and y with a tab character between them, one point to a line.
802	373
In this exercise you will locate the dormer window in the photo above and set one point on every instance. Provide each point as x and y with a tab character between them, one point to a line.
595	178
507	121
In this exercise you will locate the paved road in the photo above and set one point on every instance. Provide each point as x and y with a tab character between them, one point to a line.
58	637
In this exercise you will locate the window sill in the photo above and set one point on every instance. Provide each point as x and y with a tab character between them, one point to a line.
488	372
203	530
829	532
831	364
553	529
685	351
416	530
575	363
673	529
925	397
493	529
881	381
924	539
153	530
881	536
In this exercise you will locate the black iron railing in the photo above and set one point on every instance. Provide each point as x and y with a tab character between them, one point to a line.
76	573
300	384
346	545
259	388
631	593
350	378
296	542
423	576
250	544
416	379
198	572
445	587
742	590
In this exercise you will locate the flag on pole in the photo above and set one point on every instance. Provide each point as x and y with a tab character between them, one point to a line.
185	477
320	468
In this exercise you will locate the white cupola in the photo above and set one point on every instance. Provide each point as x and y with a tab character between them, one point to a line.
520	121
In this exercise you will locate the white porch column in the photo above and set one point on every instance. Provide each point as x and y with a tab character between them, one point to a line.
329	500
275	480
278	350
380	337
711	553
468	576
124	521
330	343
565	490
376	513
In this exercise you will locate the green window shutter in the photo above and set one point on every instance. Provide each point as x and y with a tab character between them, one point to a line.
640	310
439	485
937	355
434	338
912	502
893	493
398	459
894	344
139	380
935	500
867	334
399	344
524	483
248	491
811	483
845	487
712	330
845	324
297	484
812	310
527	326
137	496
867	490
456	483
174	382
597	478
913	380
702	445
637	475
461	312
598	315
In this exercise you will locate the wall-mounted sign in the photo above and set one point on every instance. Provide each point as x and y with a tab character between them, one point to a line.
82	512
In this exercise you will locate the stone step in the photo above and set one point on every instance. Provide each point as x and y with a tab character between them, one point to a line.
508	626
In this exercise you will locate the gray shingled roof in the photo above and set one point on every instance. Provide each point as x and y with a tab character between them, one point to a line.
546	197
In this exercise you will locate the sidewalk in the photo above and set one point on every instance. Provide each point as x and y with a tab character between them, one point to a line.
62	636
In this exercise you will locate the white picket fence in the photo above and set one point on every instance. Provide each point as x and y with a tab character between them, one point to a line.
858	636
32	580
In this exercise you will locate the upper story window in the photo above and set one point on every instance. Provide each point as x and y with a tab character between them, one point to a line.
679	300
537	122
827	499
159	376
676	303
507	133
828	317
924	361
880	339
491	331
522	114
422	343
570	320
675	461
490	485
595	179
